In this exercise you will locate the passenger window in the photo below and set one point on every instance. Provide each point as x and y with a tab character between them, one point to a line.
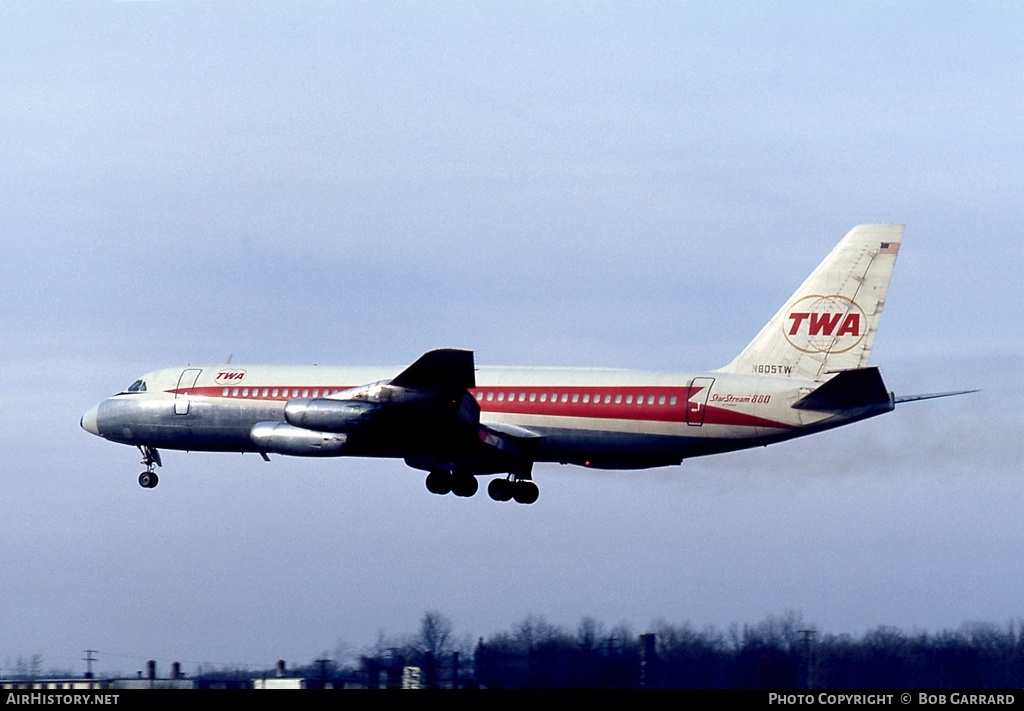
234	392
575	397
586	398
273	393
224	392
618	399
661	400
607	399
629	399
533	397
672	400
490	397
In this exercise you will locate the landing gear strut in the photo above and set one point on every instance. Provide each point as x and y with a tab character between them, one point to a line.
151	458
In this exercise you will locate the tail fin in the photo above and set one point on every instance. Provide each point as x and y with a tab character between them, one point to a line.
829	324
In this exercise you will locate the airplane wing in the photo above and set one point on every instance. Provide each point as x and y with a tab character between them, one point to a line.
426	413
437	382
441	369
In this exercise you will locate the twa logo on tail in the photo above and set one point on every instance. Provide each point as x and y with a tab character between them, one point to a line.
819	324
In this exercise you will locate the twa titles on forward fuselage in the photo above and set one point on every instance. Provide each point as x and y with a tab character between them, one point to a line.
806	371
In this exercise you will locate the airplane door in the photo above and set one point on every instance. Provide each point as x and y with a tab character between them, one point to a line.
183	393
696	403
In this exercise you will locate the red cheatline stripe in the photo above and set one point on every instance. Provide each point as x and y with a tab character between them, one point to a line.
553	407
733	418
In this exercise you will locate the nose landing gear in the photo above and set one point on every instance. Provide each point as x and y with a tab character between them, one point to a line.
151	459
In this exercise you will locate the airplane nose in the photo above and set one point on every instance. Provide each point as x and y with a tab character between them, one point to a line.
89	420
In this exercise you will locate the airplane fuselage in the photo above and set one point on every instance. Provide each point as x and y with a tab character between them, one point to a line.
601	418
805	371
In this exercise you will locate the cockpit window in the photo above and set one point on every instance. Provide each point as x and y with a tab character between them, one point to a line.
139	386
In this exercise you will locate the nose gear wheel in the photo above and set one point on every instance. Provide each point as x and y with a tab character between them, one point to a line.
151	459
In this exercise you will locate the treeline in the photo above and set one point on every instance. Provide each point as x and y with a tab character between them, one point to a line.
779	652
782	652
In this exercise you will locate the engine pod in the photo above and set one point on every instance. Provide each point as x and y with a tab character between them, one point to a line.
326	415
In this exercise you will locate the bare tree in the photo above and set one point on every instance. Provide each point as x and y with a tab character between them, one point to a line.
435	636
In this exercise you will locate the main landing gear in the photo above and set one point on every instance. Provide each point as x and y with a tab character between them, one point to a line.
523	491
151	458
445	481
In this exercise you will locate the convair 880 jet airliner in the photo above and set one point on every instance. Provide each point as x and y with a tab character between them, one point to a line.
806	371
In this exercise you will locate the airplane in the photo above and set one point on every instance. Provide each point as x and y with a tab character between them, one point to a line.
806	371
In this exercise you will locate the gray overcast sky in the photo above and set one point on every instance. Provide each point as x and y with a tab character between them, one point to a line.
592	184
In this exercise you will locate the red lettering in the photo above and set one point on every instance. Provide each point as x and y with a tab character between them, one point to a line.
824	323
851	326
798	318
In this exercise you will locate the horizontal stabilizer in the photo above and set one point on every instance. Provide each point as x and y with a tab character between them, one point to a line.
932	396
441	369
848	389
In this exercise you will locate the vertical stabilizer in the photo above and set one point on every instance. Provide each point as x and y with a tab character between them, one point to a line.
829	324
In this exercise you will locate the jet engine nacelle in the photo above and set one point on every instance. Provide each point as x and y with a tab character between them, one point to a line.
280	438
326	415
